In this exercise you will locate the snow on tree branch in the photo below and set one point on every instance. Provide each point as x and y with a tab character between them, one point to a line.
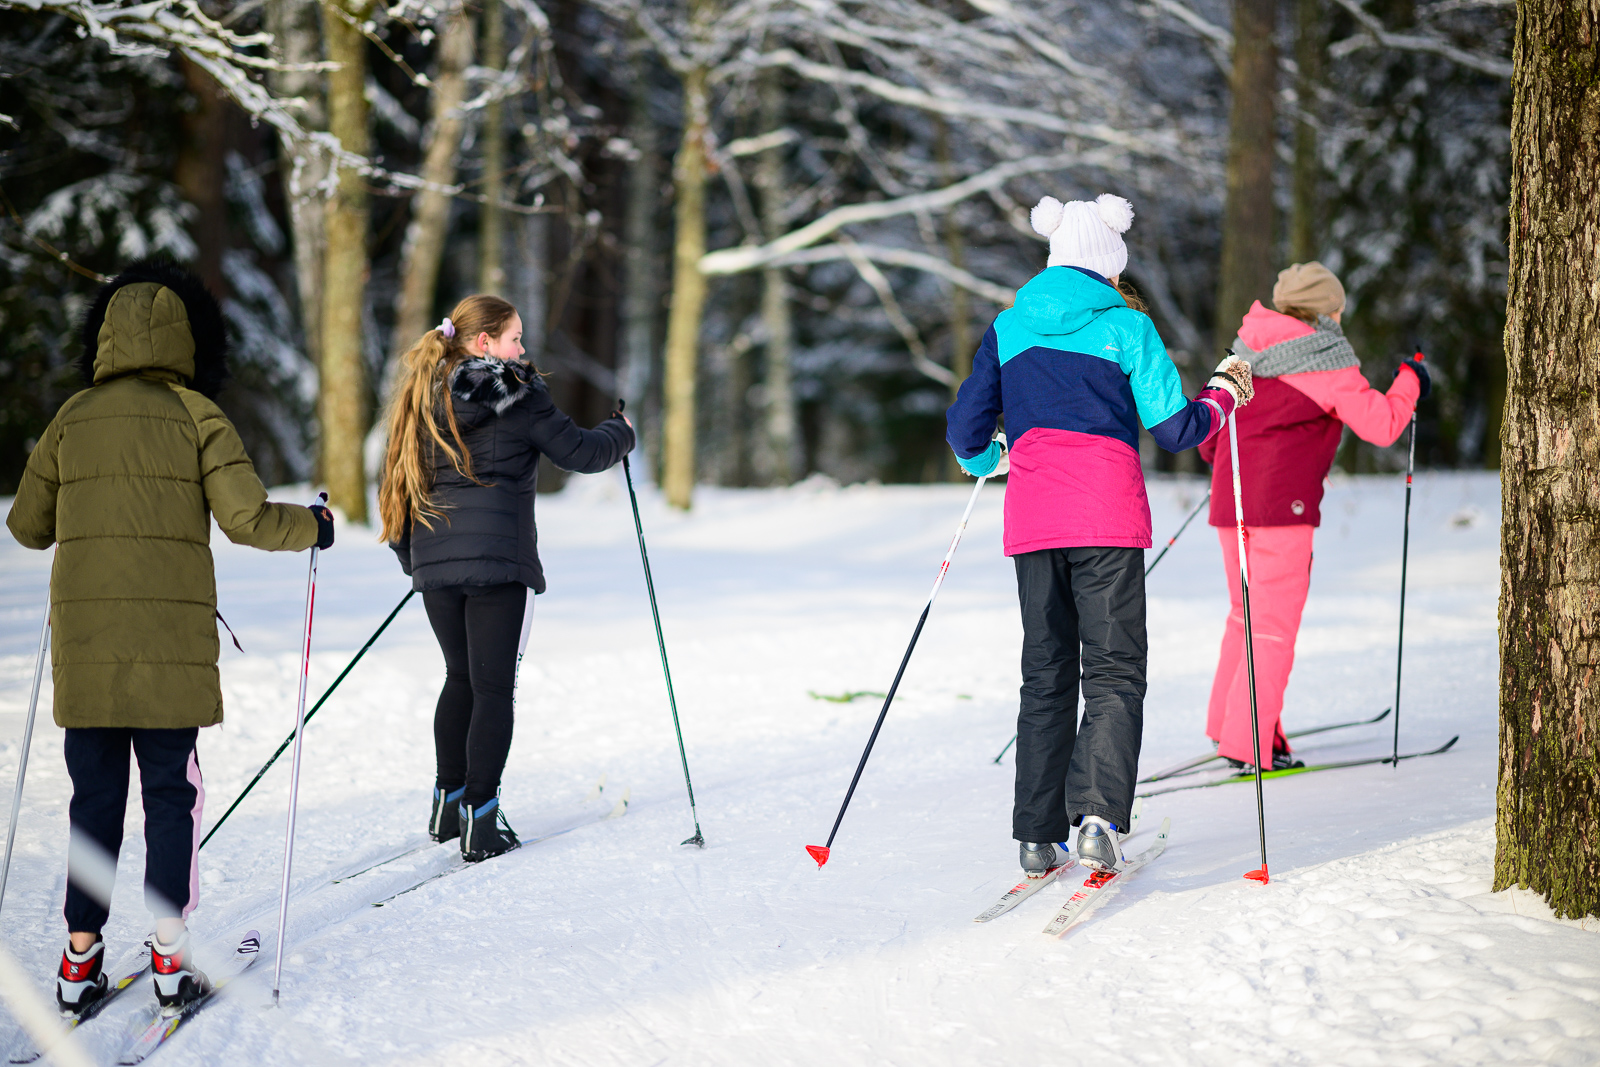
1375	36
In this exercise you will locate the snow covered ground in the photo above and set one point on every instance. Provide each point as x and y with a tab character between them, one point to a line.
1376	942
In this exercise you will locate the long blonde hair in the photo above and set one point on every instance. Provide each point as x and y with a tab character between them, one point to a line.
414	431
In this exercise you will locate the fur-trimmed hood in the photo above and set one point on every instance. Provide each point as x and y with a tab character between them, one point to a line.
494	383
185	335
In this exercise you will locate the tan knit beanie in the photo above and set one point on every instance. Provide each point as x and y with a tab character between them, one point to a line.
1308	287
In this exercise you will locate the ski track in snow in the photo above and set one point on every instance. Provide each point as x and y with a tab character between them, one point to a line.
1377	941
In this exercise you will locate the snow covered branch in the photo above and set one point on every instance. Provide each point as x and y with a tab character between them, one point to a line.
738	260
1375	36
902	257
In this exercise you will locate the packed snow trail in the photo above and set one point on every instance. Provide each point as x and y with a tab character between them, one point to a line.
1376	942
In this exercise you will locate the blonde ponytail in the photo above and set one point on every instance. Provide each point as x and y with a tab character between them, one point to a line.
405	491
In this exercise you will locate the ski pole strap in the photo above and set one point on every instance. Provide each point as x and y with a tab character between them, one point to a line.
228	628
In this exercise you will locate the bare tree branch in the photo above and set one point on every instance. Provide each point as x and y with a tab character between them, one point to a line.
1375	36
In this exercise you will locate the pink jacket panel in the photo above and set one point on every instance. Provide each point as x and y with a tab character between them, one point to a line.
1055	473
1344	394
1261	328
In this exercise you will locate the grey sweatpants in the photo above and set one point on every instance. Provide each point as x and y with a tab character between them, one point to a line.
1093	598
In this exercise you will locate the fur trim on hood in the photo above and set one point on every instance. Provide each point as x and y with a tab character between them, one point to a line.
494	383
204	313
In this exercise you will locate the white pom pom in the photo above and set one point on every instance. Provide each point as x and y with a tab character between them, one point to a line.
1114	211
1046	216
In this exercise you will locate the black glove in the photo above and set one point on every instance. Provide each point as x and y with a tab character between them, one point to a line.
324	526
1416	366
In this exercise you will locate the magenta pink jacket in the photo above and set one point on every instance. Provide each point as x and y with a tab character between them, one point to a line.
1289	433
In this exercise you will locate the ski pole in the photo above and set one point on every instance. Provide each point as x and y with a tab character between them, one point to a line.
1170	542
27	743
326	693
1405	552
698	840
1249	643
294	765
820	852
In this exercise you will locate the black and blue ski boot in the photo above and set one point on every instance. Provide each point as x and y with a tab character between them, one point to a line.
82	979
1039	859
1099	844
485	832
444	824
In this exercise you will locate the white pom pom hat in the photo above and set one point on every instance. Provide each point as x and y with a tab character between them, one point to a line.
1085	233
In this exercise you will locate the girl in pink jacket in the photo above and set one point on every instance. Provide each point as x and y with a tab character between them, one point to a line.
1308	387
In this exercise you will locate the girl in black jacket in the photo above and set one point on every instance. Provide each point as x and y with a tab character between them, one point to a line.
468	424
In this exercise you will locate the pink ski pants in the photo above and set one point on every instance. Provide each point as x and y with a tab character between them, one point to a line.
1280	574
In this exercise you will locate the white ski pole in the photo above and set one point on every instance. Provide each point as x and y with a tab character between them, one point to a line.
294	767
27	743
1249	643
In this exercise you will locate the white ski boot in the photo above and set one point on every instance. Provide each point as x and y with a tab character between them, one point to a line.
178	981
1099	844
1039	859
82	979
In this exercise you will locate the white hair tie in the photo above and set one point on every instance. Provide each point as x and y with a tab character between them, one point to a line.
448	328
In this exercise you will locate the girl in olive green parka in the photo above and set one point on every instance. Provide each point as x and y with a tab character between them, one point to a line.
125	481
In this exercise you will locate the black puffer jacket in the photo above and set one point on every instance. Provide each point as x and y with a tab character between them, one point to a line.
507	420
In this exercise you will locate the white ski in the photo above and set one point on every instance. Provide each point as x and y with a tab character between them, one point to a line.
1029	886
28	1052
167	1022
1025	889
1101	885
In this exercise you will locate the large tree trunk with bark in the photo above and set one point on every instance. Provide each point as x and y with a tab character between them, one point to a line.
342	401
492	217
641	292
688	286
776	316
1548	826
297	40
1246	273
430	208
1310	46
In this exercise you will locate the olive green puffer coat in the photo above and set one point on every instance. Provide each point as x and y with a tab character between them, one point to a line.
125	480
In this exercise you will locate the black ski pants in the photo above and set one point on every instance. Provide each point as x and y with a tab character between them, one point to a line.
169	781
480	632
1093	598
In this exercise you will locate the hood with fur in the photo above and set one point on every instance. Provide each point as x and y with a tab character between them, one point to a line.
495	384
155	315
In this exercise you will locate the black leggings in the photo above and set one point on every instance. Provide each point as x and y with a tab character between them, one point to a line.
480	632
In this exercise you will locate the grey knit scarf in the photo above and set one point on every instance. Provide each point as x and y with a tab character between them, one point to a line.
1326	349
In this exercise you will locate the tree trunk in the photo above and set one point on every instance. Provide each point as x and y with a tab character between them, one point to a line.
961	346
430	209
776	316
202	174
1311	39
297	39
491	217
342	401
640	291
1246	273
1548	826
688	287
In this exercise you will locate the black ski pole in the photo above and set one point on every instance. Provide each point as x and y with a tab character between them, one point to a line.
1405	552
1170	541
1249	645
698	840
320	700
820	852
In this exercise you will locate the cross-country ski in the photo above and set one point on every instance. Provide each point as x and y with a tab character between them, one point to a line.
169	1020
544	512
1102	885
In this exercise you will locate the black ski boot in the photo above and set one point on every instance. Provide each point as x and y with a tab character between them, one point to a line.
82	980
1039	860
445	822
178	980
485	832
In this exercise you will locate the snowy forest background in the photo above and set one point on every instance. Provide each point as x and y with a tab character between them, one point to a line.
539	137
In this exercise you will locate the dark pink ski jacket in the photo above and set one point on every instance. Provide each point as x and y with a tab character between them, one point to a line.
1289	433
